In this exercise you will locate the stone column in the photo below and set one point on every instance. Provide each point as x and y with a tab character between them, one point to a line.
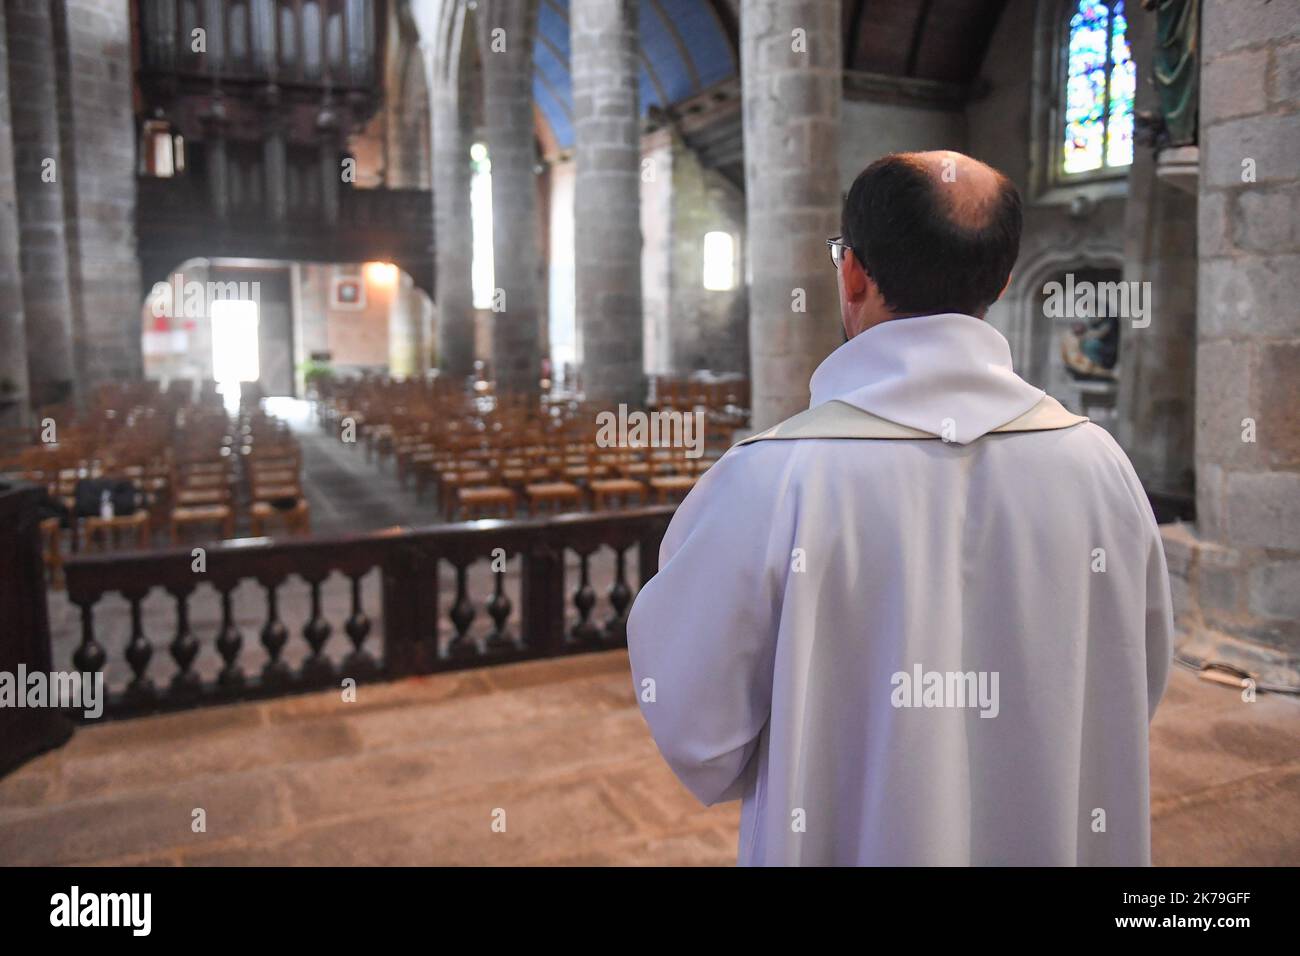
93	50
1158	363
791	81
506	31
218	167
1237	580
14	400
453	231
607	199
40	173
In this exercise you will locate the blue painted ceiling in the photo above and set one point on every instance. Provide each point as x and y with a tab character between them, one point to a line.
684	51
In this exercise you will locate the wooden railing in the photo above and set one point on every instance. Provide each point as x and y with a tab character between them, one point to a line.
425	626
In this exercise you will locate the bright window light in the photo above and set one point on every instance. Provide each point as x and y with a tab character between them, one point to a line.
719	262
234	341
383	274
482	270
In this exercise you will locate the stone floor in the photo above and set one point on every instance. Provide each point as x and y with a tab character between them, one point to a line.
347	492
414	772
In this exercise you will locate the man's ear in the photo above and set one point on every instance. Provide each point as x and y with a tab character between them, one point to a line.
1006	285
856	281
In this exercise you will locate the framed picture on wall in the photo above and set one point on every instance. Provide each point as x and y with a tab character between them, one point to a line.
348	292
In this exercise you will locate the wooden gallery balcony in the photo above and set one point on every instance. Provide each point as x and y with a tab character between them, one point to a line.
175	221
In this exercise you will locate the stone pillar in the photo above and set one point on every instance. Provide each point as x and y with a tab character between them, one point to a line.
275	147
453	231
1157	363
275	161
14	401
1238	578
41	173
791	81
93	49
607	199
218	167
331	144
506	31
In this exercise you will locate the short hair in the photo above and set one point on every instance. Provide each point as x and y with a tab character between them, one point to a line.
923	254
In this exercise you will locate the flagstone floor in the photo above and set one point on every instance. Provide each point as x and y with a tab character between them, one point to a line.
417	771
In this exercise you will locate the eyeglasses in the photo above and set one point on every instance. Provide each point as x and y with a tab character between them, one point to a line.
837	248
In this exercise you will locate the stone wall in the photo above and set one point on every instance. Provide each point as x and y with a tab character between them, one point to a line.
41	174
409	325
1241	568
707	329
869	130
13	347
175	345
1156	418
1065	229
93	49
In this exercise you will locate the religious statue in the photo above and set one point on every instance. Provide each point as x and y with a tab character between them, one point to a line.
1175	68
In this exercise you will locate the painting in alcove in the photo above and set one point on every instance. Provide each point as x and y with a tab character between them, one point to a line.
1084	330
1090	349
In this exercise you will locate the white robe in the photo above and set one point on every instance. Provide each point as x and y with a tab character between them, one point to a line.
801	577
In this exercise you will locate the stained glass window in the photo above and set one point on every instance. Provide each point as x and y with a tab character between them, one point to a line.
1100	80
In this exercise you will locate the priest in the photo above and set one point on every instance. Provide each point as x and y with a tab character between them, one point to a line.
926	621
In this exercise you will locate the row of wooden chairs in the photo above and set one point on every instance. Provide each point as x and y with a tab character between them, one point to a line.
190	466
502	453
723	398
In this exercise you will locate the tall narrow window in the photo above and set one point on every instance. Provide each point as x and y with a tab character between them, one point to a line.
162	151
719	261
482	271
1100	80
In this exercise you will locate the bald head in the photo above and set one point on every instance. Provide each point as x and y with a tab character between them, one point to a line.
968	190
936	231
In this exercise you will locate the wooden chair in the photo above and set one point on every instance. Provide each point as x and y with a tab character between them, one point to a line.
273	504
52	550
101	534
581	465
275	494
189	515
554	496
671	487
201	495
484	501
605	490
462	474
621	488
